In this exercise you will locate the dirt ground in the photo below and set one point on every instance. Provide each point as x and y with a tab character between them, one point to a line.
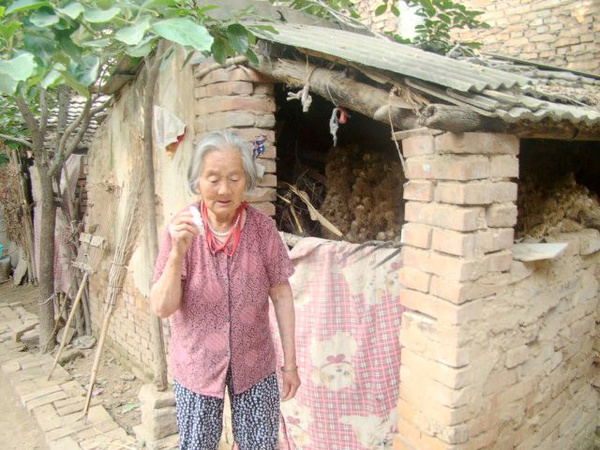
116	388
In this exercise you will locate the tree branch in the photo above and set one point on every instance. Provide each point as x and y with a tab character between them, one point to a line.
33	127
43	112
63	152
6	137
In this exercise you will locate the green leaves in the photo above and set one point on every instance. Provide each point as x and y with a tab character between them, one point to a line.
47	43
24	5
238	37
13	71
184	32
440	17
134	34
44	18
72	10
101	15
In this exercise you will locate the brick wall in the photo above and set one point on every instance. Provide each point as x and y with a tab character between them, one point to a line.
496	353
564	33
381	23
559	32
242	100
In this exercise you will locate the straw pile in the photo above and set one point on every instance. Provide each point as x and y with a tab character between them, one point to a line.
364	195
547	209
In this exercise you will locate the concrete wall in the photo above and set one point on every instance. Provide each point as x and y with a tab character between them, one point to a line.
496	353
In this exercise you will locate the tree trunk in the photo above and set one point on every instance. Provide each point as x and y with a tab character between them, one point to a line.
46	258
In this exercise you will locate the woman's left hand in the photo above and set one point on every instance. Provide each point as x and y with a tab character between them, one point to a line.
291	383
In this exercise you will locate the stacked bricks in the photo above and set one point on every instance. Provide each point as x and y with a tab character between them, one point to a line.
240	99
57	403
496	353
460	214
563	33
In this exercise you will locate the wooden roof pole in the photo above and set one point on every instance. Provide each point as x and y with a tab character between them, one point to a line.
156	330
342	90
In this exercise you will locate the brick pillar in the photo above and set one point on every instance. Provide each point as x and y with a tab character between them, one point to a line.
240	99
460	214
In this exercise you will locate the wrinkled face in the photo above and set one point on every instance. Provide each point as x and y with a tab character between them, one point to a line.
222	182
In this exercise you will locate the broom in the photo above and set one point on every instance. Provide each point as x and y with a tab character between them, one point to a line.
123	251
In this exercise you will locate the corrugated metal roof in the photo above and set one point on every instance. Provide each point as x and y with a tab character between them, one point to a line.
394	57
507	94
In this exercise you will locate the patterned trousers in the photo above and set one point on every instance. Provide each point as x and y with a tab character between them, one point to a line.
255	417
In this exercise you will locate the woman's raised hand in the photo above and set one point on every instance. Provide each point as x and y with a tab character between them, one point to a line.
184	227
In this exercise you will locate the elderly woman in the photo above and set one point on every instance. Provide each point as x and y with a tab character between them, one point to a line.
214	274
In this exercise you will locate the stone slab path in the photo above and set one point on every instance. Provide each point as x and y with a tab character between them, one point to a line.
55	404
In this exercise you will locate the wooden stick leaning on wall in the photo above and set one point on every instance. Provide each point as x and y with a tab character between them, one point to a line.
127	238
157	341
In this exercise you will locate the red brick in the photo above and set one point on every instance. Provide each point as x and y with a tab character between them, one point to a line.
445	216
226	88
421	191
250	134
499	261
461	168
416	334
418	145
443	311
502	215
454	242
419	168
504	191
269	164
263	88
265	120
423	386
416	235
229	119
415	438
473	193
268	180
413	278
234	103
459	292
230	74
448	376
504	166
494	239
477	143
261	195
452	267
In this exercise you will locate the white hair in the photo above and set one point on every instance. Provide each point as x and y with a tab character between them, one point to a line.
217	141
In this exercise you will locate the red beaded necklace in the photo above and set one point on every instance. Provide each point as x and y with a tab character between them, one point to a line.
233	236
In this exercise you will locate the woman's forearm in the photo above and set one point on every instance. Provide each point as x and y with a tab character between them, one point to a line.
166	293
283	302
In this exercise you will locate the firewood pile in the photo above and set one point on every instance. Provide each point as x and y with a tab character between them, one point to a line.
361	194
10	203
547	209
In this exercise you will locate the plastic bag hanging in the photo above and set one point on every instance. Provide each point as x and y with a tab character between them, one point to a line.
338	116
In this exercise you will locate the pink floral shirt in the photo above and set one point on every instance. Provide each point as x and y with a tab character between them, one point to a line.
223	320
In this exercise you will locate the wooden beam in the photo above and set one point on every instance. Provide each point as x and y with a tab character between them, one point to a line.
458	119
342	90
